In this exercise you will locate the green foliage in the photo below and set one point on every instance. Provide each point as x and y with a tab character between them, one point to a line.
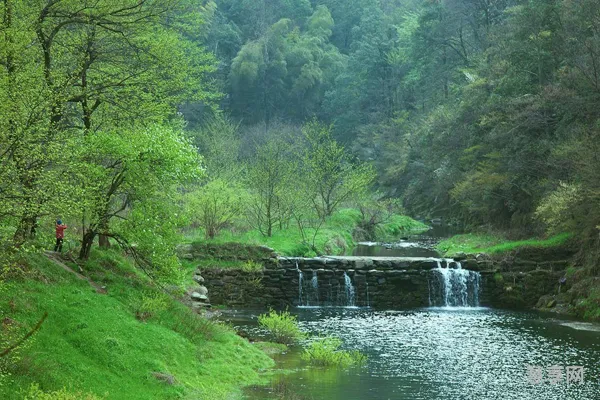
35	393
556	210
326	352
251	265
589	307
330	178
94	344
474	243
270	177
284	64
400	225
334	236
282	326
215	205
149	304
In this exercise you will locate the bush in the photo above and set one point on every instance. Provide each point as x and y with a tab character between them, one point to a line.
325	352
149	304
556	209
282	326
251	266
36	394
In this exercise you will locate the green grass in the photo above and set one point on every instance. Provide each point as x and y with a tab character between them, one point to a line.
93	343
475	243
327	352
399	225
282	326
333	238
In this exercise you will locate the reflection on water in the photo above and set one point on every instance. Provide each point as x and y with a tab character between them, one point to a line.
421	245
459	353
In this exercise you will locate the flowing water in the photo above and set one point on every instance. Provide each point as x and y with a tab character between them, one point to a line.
454	287
445	353
452	350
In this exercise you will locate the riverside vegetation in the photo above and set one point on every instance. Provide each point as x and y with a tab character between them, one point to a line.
136	342
303	125
320	352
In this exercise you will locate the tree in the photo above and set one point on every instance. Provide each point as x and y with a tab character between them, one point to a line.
136	169
329	176
215	205
270	175
97	66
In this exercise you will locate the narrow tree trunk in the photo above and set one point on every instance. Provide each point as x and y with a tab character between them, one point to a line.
103	241
86	245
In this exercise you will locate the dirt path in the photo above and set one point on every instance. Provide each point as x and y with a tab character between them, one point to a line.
55	258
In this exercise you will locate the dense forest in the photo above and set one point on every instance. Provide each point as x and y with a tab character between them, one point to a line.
133	119
481	112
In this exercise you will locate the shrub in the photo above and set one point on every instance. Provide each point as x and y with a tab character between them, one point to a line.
282	326
149	304
326	352
251	266
35	393
556	209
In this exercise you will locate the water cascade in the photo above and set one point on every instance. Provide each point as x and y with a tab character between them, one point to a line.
349	289
337	291
300	279
448	285
455	287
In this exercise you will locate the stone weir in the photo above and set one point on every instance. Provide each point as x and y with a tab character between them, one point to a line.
346	281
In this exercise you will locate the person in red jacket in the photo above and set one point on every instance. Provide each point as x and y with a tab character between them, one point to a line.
60	235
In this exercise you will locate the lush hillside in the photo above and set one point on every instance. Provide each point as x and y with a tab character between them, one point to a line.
132	343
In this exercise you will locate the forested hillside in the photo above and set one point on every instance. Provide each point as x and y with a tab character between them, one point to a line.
480	111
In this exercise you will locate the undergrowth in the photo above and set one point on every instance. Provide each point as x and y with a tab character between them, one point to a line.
282	326
477	243
114	346
334	237
327	352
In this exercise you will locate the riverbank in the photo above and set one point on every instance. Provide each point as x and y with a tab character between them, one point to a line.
337	235
496	244
121	339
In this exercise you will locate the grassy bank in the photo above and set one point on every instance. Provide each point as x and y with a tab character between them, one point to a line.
491	244
132	343
336	236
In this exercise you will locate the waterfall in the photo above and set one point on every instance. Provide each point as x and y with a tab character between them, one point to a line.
349	289
300	279
312	294
429	292
457	287
308	291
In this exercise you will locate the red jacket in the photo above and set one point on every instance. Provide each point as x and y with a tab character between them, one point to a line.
60	231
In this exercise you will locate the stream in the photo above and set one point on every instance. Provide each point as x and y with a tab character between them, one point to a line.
439	352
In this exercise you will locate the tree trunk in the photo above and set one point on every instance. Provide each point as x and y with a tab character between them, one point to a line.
103	241
86	244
